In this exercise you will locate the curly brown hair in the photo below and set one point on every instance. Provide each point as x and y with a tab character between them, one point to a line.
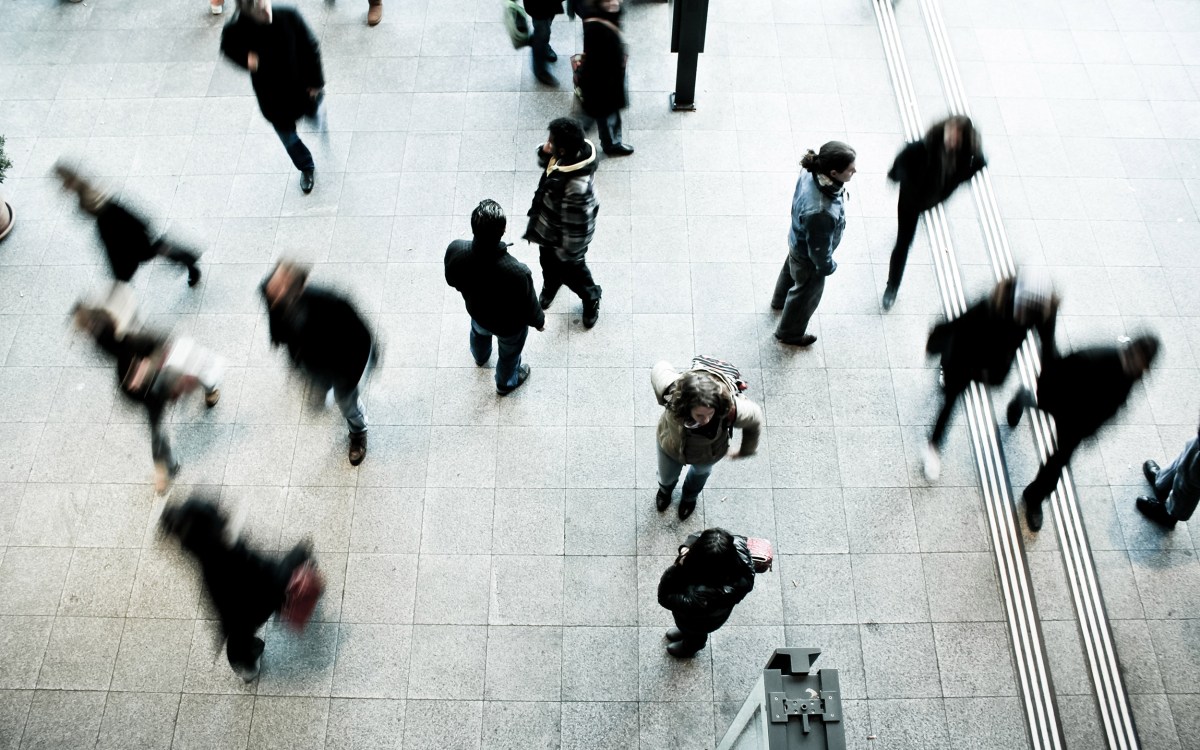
694	389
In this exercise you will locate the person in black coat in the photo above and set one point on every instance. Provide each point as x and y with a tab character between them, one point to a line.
284	60
981	344
602	75
498	291
125	235
246	587
710	577
542	13
1082	391
928	171
326	339
144	378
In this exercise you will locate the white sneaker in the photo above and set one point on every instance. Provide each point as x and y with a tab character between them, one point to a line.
932	463
217	8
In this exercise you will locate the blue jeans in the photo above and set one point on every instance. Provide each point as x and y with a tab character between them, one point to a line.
301	156
509	361
1182	496
669	470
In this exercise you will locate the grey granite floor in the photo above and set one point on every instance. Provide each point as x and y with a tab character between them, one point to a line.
493	563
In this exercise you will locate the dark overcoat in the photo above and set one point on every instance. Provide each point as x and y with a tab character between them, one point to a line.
289	63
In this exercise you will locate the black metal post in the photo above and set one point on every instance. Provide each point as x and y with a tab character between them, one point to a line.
683	99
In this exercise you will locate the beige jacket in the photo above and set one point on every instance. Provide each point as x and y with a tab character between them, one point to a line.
689	448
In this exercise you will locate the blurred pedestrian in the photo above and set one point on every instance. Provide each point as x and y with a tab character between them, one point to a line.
327	341
981	344
542	13
1176	488
1082	391
125	235
709	578
702	408
284	60
498	291
818	220
928	171
562	219
154	371
601	75
245	586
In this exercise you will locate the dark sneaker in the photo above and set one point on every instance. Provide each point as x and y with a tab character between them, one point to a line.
591	313
806	340
193	276
522	376
674	634
551	55
358	448
662	500
1033	514
678	650
687	506
1156	511
545	298
307	181
618	149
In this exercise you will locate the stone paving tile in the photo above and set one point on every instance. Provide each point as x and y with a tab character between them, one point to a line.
513	538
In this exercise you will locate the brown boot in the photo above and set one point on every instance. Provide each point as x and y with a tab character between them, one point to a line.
375	13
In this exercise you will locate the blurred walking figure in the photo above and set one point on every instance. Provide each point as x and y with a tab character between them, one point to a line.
818	220
1082	391
284	60
981	344
702	407
928	171
498	291
245	586
1176	488
125	235
326	339
154	371
542	13
601	74
562	218
708	579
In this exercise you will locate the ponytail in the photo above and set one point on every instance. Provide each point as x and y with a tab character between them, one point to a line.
835	156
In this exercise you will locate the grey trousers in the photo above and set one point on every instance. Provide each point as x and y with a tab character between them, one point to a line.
798	291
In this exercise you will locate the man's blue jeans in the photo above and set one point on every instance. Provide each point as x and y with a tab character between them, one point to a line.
1182	496
301	157
509	359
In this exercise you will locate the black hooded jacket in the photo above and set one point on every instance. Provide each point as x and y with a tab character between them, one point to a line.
289	63
497	288
925	178
1084	389
982	343
704	605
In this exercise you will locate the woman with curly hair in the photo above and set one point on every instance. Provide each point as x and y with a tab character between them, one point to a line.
695	429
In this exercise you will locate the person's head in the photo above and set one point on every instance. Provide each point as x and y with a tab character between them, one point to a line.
1137	355
91	199
955	132
698	399
95	321
259	10
835	160
566	137
285	283
197	523
488	222
1033	298
712	556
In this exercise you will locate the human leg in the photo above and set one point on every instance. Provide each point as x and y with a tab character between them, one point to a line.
301	156
481	344
1047	477
508	363
349	401
668	475
166	466
907	216
244	651
578	278
693	484
183	257
539	45
1182	501
551	275
782	284
801	302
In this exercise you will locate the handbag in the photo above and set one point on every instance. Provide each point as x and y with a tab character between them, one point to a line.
761	552
516	20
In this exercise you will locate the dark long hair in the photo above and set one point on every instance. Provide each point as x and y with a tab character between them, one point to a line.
713	557
834	156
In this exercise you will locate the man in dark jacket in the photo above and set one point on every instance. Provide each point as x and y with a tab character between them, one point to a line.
542	13
125	235
284	61
326	339
602	77
1176	488
981	344
245	586
1081	391
562	218
928	171
498	290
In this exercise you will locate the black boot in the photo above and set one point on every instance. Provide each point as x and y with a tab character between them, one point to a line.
1022	401
662	500
687	506
546	298
1033	513
591	310
193	275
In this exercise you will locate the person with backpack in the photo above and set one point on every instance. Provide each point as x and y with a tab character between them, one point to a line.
1082	391
153	371
818	220
562	218
125	235
326	339
498	291
712	574
601	74
542	13
701	409
284	60
244	585
929	171
1176	488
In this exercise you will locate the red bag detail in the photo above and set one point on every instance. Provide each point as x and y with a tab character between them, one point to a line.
303	591
761	553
